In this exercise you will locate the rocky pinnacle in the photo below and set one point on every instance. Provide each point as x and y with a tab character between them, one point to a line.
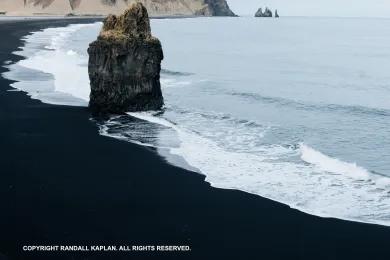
125	64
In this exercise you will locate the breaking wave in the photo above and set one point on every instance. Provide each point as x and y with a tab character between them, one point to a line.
301	105
315	183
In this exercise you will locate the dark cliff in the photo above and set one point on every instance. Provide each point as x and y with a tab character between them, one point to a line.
219	8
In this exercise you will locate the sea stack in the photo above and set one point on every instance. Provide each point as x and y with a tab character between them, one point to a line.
276	14
124	65
267	13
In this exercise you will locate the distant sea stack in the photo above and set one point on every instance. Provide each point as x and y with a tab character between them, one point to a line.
105	7
124	65
266	13
276	14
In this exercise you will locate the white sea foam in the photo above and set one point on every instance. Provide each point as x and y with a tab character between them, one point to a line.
325	186
69	84
172	83
332	165
71	53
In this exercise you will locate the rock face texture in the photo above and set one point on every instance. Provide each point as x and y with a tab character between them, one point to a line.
74	4
124	65
215	8
267	13
43	3
105	7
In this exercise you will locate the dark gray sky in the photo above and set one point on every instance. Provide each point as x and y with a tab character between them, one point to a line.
347	8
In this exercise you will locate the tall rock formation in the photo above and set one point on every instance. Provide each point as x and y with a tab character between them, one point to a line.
267	13
259	13
105	7
124	64
276	14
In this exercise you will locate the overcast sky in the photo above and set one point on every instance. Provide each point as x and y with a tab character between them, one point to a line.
349	8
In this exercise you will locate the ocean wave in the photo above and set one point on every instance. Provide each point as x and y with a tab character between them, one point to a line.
175	73
333	165
318	184
46	53
142	132
174	83
214	116
300	105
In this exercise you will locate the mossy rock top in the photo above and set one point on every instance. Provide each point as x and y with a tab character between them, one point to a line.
133	23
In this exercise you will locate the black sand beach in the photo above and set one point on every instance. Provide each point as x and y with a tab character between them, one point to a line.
61	183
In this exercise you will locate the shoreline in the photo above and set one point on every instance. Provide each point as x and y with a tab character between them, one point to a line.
62	182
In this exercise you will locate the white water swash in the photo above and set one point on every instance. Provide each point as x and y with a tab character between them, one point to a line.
296	110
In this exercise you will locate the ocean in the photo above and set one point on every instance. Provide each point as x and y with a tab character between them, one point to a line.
294	109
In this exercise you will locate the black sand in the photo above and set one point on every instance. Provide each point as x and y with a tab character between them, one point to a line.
63	184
